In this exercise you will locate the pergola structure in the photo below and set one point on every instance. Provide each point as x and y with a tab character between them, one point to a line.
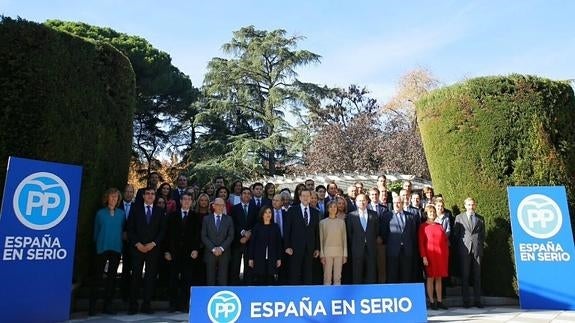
343	180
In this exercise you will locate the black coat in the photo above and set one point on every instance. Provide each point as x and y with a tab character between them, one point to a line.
265	237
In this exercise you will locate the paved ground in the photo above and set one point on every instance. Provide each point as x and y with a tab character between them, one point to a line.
456	314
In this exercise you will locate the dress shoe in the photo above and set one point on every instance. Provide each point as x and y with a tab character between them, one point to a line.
442	306
466	305
132	309
146	309
478	305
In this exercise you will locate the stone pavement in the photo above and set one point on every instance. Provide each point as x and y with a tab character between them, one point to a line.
456	314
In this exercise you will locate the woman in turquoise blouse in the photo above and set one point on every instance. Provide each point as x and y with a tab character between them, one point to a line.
108	227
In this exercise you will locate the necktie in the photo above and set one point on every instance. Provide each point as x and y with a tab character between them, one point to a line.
127	209
363	221
218	221
305	216
401	221
279	221
184	214
258	202
148	213
245	211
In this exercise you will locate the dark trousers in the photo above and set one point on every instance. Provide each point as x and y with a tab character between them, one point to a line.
239	252
151	260
126	270
217	269
364	268
265	277
301	267
470	263
400	267
181	272
107	281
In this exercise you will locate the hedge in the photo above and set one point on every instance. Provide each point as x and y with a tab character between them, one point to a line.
65	99
487	133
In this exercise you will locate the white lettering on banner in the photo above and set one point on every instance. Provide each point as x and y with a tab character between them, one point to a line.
307	308
45	247
342	307
385	305
276	309
550	252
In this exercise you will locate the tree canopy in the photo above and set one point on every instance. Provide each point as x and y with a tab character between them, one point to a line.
164	93
247	97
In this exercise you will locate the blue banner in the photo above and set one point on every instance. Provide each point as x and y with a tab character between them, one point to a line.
345	303
543	245
37	237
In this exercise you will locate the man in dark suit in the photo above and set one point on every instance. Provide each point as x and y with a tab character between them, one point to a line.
351	199
419	214
146	231
301	238
181	185
217	236
258	200
126	205
384	194
331	192
244	216
279	217
183	245
469	237
153	182
381	211
401	238
363	233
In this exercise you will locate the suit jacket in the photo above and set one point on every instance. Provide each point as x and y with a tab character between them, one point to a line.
243	221
418	213
264	201
384	221
212	237
379	209
176	197
283	221
469	236
297	234
183	234
350	205
139	230
357	238
398	235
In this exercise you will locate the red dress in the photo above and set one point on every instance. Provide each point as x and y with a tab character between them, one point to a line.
433	245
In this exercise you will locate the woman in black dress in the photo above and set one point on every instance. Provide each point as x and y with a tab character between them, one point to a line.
264	250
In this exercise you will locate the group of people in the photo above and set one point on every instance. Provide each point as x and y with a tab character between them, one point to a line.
258	235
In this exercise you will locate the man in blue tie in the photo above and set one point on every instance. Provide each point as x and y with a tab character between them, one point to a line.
217	235
146	230
363	233
280	219
401	237
301	239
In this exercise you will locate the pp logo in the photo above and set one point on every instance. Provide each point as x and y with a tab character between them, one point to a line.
539	216
224	307
41	201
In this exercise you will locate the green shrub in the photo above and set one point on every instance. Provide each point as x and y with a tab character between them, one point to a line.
67	100
485	134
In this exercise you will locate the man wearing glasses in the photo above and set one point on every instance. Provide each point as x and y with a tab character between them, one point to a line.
217	236
146	230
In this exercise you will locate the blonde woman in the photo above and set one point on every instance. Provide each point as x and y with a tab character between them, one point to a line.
333	245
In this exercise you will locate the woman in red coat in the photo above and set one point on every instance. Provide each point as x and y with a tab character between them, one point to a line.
434	250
